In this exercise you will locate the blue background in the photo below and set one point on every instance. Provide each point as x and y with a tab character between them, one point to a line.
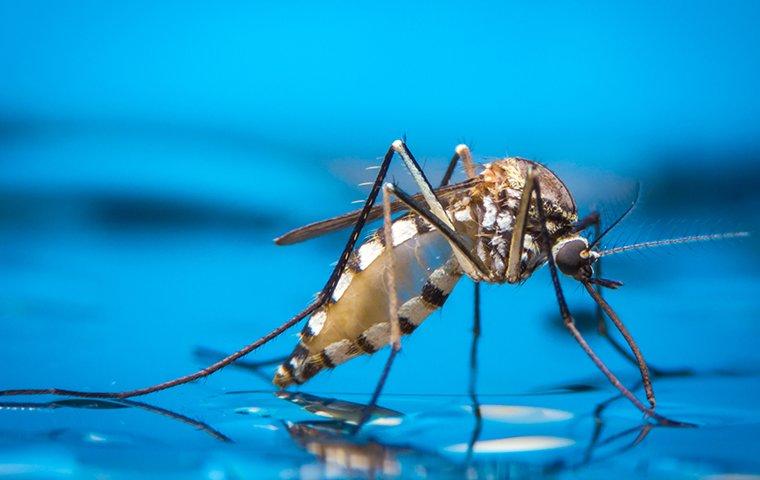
149	154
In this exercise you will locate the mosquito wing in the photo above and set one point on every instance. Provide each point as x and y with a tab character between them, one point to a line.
316	229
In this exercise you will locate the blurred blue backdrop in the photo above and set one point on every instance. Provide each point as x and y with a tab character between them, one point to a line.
150	152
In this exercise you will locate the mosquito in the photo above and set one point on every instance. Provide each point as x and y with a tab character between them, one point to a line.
497	226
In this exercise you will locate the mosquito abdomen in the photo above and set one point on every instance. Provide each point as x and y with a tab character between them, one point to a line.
356	321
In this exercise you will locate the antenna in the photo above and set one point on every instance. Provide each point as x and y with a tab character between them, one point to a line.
673	241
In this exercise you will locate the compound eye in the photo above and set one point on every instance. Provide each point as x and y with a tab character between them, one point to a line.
570	257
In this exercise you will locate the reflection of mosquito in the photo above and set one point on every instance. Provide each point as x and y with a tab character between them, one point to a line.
498	226
341	452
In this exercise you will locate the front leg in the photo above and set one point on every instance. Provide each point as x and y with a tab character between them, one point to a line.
532	183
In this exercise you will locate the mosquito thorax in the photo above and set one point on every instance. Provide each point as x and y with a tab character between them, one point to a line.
487	212
573	256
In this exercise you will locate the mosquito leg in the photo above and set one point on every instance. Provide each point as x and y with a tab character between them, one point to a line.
450	170
474	375
567	318
518	232
461	152
390	285
628	338
390	270
422	182
323	297
474	345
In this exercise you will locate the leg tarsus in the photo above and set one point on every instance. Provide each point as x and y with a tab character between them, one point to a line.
639	357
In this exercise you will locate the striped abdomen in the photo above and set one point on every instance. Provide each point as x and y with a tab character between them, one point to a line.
356	321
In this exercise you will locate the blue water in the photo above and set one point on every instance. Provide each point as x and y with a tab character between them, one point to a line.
149	154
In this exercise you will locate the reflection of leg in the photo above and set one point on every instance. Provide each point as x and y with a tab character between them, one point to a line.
117	403
474	375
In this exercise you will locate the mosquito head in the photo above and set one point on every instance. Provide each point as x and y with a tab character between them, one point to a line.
574	258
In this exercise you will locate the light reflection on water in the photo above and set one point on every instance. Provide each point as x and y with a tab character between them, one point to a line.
408	437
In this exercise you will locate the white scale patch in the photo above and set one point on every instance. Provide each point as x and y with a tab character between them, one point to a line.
368	253
317	321
505	221
528	244
498	265
463	215
343	282
480	249
403	230
489	217
296	362
500	245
